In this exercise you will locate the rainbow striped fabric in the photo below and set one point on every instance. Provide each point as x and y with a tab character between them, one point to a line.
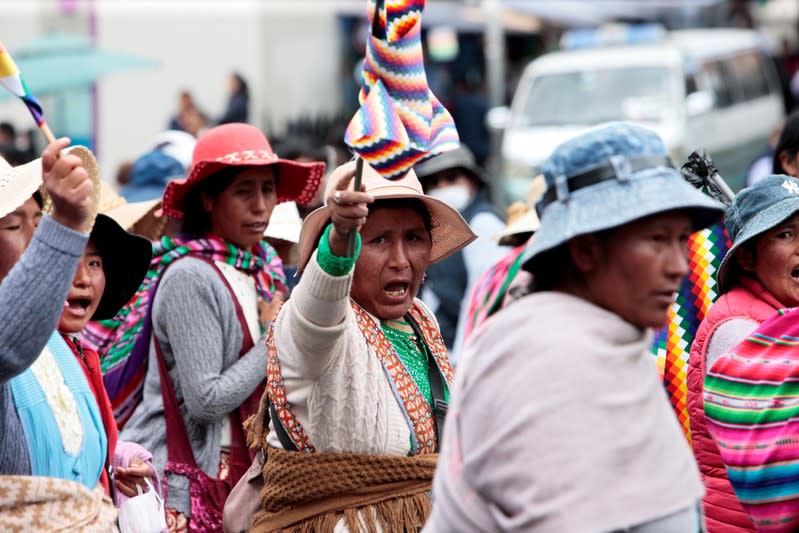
489	292
123	341
698	291
752	410
400	121
11	79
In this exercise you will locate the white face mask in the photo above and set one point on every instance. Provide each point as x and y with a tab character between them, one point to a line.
456	196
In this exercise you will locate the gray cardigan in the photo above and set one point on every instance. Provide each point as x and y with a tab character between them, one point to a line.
194	319
31	302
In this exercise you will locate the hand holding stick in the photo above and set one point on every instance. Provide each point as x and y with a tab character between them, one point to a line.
348	211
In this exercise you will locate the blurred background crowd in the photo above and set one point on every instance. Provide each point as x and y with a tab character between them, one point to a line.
113	75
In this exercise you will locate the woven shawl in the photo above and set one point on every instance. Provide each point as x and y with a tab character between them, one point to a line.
752	409
115	340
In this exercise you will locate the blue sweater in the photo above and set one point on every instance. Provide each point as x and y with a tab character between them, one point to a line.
31	302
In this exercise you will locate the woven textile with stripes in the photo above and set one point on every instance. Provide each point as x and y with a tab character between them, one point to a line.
698	291
400	121
752	410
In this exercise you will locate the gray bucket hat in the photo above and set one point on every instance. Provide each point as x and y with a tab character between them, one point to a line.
607	177
754	211
461	157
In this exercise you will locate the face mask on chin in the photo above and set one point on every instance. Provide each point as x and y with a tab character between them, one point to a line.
456	196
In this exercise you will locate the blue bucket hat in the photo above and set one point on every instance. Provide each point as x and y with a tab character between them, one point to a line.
754	211
607	177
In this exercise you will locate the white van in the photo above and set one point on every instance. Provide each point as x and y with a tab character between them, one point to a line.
712	88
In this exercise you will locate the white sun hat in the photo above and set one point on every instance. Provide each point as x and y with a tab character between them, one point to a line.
285	223
17	184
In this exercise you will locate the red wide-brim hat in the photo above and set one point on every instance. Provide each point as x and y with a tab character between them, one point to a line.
242	145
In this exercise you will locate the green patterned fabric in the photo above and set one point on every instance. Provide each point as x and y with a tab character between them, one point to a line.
333	264
412	354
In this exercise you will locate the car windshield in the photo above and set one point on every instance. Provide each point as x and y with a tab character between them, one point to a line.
643	94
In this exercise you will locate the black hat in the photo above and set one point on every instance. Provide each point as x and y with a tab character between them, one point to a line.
126	259
461	157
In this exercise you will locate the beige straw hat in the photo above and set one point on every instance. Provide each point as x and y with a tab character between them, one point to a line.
137	216
528	222
450	232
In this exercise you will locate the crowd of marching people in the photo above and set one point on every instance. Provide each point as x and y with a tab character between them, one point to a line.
191	353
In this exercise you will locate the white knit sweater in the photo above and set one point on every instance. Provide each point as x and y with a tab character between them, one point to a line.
333	378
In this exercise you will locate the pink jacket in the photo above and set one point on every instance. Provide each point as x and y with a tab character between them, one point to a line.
723	512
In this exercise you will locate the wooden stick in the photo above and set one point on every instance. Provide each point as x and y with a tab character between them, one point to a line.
48	135
722	185
352	243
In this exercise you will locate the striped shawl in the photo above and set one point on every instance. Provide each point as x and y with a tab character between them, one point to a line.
752	408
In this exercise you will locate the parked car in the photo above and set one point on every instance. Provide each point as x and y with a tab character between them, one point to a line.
711	88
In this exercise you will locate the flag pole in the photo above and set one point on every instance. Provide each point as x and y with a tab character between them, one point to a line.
352	243
11	79
48	135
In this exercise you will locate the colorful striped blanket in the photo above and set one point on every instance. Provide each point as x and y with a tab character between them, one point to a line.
123	341
752	410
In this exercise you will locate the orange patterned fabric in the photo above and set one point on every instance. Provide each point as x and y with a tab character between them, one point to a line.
411	399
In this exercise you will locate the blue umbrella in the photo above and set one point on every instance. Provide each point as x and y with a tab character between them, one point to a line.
58	61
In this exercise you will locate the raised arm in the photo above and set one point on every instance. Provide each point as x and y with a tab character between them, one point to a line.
315	318
32	294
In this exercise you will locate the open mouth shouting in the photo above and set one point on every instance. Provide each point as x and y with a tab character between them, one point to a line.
78	306
396	290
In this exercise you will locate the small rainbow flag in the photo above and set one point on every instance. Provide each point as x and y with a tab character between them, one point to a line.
11	79
400	121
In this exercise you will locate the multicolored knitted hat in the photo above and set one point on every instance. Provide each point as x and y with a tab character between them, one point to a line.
400	121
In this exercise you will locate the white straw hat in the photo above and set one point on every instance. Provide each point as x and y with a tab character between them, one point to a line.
285	223
17	184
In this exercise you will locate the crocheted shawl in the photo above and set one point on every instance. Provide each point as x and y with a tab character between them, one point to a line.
752	410
119	341
309	492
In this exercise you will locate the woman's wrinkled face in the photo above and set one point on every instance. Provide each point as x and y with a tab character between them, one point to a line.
395	253
636	271
241	212
775	261
16	232
85	293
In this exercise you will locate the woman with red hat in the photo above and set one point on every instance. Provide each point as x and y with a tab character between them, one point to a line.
202	328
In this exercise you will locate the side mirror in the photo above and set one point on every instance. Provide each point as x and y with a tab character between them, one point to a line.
498	118
698	102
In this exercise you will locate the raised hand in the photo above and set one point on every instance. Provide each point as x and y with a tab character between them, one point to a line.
348	209
68	184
